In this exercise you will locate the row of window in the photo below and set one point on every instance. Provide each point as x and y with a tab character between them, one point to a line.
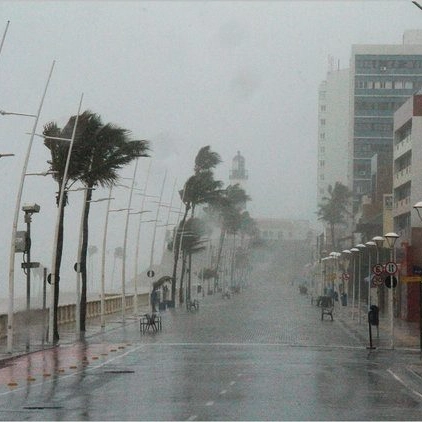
386	127
391	106
402	84
384	65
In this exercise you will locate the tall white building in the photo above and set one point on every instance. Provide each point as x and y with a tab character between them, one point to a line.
333	121
407	171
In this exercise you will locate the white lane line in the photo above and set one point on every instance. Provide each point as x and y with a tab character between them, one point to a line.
209	403
222	392
396	377
233	383
192	418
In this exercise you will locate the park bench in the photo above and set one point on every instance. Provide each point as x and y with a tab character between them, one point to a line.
327	306
192	305
148	322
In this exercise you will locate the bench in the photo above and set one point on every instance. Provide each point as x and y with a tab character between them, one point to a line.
148	322
327	306
192	305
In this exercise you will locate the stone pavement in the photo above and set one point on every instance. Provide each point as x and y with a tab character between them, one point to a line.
406	334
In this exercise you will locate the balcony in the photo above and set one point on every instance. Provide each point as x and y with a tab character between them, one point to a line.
403	176
402	147
402	206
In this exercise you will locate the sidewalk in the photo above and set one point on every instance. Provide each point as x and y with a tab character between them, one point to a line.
406	334
67	334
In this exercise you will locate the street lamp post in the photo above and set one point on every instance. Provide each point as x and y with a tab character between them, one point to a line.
346	260
4	36
418	207
391	240
125	244
16	214
355	252
28	209
370	245
138	235
361	248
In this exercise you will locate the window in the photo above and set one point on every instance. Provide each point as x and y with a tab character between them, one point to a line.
323	108
322	121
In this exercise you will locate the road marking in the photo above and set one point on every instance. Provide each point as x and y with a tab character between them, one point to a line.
396	377
233	383
222	392
209	403
192	418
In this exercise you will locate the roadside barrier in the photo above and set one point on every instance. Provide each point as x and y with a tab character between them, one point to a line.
67	313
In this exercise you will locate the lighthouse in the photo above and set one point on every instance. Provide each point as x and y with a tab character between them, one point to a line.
238	174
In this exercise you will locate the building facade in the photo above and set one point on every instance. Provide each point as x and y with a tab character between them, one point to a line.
382	78
333	122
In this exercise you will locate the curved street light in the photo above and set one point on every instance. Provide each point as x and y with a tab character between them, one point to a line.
16	214
355	254
391	239
361	248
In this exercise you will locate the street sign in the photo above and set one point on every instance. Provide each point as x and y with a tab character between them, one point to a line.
390	267
391	279
377	280
345	276
150	273
378	269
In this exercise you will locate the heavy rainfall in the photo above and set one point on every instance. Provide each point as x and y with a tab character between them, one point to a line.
211	210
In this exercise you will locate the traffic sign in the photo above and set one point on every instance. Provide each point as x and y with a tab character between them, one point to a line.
377	280
150	273
378	269
345	276
391	267
391	279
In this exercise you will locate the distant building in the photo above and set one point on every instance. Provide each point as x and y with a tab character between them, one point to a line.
333	131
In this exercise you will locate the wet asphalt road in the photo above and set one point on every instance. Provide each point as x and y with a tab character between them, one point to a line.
264	354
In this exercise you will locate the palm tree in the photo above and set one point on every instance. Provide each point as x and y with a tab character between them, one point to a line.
99	151
228	207
104	149
200	188
335	207
191	243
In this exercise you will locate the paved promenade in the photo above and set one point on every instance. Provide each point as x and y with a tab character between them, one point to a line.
406	334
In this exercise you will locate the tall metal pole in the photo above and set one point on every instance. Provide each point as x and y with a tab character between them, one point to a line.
355	252
151	259
138	235
28	275
125	244
15	222
4	36
57	227
103	260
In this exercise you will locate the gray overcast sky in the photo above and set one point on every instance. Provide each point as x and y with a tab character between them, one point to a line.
237	75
